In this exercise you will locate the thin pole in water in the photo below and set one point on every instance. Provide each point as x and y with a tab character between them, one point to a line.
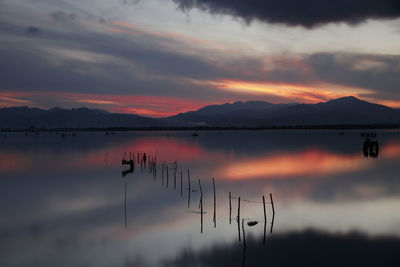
181	183
174	179
238	218
230	208
265	220
215	205
201	207
188	189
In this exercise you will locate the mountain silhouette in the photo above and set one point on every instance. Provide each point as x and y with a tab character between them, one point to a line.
341	111
24	117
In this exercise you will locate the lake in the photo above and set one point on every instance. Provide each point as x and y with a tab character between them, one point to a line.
68	200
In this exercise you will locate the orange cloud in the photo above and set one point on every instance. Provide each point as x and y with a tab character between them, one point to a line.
294	93
94	101
11	99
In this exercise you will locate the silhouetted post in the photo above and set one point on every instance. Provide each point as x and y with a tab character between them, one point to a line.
188	189
238	218
201	207
230	208
174	179
215	205
155	169
272	203
181	183
273	213
167	175
244	244
265	220
126	221
162	172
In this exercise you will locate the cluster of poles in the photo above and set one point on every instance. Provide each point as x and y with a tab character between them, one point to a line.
149	164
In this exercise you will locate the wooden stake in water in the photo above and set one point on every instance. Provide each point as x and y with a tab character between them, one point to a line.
238	218
181	183
162	172
215	205
201	208
167	175
189	189
265	220
174	179
273	213
272	203
230	207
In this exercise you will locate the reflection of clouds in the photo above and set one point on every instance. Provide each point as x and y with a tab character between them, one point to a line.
391	150
309	162
71	201
375	217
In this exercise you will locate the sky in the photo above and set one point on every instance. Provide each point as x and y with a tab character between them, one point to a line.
158	58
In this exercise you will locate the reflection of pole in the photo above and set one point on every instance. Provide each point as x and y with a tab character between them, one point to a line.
230	208
126	221
181	183
201	207
265	220
215	205
238	218
188	189
244	244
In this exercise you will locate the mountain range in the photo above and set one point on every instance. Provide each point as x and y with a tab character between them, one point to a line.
342	111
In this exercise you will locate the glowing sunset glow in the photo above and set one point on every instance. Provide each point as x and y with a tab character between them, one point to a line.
304	94
150	59
152	106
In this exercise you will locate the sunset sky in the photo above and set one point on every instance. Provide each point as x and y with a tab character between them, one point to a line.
161	57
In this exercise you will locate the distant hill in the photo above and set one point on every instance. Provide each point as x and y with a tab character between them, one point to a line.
342	111
24	117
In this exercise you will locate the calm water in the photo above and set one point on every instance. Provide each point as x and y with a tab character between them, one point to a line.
63	200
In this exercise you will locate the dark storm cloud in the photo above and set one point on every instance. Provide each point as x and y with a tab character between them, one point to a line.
307	13
139	66
156	65
115	66
380	73
61	16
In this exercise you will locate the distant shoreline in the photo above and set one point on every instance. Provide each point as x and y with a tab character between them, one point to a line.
204	128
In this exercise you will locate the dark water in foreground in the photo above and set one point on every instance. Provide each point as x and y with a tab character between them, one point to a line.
63	201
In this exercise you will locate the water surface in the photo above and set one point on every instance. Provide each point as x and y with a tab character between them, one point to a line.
63	199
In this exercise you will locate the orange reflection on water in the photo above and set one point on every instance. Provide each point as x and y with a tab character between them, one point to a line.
391	150
13	161
168	148
309	162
